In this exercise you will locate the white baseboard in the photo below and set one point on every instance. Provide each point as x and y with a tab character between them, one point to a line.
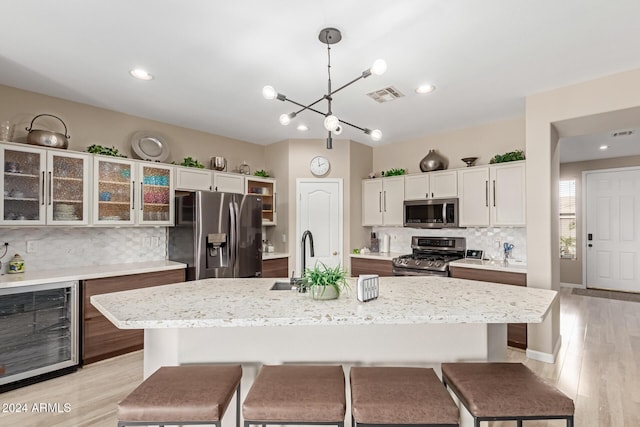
572	285
545	357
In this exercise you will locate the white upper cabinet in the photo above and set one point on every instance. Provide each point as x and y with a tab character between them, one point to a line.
492	196
265	187
382	201
44	186
509	197
226	182
443	184
431	185
132	193
193	179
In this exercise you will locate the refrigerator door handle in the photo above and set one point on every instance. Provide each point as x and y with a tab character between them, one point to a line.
233	243
199	244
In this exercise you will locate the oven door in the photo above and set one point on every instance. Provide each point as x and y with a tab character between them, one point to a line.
432	213
401	271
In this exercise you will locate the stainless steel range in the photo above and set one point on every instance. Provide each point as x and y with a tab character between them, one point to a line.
430	257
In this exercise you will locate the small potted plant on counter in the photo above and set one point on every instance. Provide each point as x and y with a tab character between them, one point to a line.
325	282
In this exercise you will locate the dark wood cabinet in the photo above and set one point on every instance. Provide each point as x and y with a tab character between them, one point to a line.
380	267
277	267
516	332
100	338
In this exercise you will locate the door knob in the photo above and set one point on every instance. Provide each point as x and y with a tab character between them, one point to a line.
335	253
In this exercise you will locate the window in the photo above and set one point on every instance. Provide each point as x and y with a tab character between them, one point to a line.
568	219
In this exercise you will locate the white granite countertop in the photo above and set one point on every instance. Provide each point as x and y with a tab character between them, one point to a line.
513	266
274	255
387	256
249	302
29	278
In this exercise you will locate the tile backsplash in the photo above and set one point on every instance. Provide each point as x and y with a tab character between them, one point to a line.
59	247
488	239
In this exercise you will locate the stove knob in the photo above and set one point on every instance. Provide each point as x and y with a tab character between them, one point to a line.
417	262
403	261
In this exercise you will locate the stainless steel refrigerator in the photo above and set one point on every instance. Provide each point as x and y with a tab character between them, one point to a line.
217	234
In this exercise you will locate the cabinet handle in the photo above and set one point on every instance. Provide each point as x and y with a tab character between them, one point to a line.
43	188
380	201
494	193
50	189
432	195
275	199
210	188
133	200
141	195
486	193
426	195
385	201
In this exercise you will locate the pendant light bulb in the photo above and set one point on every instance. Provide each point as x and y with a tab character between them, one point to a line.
285	119
379	67
331	123
269	92
376	135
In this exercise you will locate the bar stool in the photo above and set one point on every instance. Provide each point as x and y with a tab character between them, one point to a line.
197	394
296	394
397	396
505	391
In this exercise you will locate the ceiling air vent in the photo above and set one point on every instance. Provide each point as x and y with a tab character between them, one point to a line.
385	95
622	133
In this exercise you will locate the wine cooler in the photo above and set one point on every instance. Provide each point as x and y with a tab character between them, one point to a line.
38	332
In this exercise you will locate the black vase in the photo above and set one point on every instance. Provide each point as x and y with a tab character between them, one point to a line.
433	161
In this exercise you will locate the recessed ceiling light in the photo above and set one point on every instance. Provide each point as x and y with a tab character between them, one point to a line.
422	89
141	74
302	128
604	147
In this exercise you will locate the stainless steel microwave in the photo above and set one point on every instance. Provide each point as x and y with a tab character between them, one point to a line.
431	213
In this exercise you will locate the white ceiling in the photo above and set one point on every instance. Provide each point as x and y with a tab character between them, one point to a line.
587	147
212	58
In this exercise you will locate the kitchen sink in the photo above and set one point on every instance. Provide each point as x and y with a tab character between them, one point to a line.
282	286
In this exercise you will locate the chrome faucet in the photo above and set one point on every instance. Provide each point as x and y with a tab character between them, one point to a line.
303	245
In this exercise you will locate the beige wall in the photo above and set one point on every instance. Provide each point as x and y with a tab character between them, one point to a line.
571	269
616	92
277	157
361	161
89	125
484	142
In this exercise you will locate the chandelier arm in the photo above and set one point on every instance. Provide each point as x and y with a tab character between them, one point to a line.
353	126
345	85
305	107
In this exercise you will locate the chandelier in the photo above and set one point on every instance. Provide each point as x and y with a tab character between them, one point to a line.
332	123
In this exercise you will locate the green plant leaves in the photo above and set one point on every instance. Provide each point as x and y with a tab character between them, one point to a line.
322	275
394	172
190	163
105	151
261	172
511	156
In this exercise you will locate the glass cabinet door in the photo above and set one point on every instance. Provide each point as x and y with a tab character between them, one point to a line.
67	188
156	189
23	186
113	192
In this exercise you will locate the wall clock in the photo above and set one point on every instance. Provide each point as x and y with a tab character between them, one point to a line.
319	166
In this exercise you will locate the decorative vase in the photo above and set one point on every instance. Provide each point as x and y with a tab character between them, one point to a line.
433	161
324	292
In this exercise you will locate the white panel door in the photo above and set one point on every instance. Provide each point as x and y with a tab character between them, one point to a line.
320	212
612	238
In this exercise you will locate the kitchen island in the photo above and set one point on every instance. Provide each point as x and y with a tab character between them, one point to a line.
415	320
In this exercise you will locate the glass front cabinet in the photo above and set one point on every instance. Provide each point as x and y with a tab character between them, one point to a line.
42	186
130	193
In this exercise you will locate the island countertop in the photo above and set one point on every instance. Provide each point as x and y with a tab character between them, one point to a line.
249	302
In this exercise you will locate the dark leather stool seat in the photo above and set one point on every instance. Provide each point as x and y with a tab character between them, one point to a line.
505	391
198	394
296	394
400	397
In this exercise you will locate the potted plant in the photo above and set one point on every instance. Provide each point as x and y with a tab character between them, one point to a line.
105	151
325	282
190	163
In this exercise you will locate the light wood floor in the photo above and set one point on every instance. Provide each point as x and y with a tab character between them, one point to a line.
598	366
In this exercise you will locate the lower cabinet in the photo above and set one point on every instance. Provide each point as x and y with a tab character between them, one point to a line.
380	267
516	332
276	267
100	338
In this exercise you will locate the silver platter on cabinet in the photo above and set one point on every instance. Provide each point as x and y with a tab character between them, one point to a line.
149	147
